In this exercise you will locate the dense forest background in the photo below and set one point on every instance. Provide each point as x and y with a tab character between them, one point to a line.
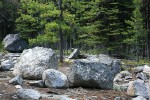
114	27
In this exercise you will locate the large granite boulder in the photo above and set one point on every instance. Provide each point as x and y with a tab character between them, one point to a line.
113	64
95	71
54	78
33	62
14	43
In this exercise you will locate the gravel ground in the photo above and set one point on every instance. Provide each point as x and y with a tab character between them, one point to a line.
8	91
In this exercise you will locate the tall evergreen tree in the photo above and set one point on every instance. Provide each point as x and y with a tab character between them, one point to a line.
138	34
8	14
42	22
145	9
102	23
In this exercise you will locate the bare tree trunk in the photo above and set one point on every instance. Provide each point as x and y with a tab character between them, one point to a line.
143	50
61	45
146	15
148	26
60	31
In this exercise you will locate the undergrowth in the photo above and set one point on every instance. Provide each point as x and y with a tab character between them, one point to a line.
129	64
1	47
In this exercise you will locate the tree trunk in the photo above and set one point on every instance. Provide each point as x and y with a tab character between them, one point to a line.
146	15
60	31
61	45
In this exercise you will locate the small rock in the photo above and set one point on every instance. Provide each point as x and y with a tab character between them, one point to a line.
74	54
14	97
138	88
28	94
138	69
11	69
18	87
39	83
117	98
141	76
66	98
92	98
139	98
17	80
146	70
122	75
104	98
123	98
7	65
54	78
128	77
120	87
126	81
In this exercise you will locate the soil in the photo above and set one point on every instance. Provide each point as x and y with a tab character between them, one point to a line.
7	91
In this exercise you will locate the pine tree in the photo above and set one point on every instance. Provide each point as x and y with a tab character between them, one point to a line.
87	22
145	10
45	22
138	34
8	9
37	22
102	23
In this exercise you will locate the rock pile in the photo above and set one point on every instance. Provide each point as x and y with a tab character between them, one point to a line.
136	84
102	72
8	61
